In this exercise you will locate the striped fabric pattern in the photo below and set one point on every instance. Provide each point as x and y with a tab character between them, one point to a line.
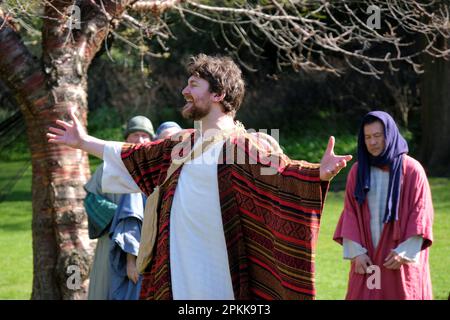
271	222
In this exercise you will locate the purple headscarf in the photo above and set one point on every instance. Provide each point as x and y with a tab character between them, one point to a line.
395	147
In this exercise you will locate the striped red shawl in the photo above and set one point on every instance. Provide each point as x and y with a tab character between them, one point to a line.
271	222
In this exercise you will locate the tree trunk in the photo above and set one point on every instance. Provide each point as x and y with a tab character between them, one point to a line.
44	90
435	96
59	225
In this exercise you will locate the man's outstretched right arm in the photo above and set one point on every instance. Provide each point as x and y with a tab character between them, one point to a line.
74	135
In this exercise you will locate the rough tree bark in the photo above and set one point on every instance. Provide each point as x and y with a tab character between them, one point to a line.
44	89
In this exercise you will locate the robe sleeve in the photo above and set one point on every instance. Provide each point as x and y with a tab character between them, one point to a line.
348	226
352	249
295	184
115	177
309	185
305	175
410	248
126	230
138	167
128	235
420	217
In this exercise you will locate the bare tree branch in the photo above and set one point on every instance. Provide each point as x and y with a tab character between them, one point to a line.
155	6
303	32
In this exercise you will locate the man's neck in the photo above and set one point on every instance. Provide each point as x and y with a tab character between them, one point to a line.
216	121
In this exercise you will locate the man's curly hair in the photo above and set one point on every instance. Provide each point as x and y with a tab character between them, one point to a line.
223	76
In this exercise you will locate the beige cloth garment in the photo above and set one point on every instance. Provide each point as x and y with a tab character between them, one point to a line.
150	222
100	278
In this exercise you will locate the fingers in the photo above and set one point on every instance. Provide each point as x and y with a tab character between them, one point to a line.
362	262
57	131
390	255
56	136
338	166
73	116
55	141
341	161
344	159
392	264
367	263
51	138
134	277
341	164
63	124
359	269
130	275
393	261
330	146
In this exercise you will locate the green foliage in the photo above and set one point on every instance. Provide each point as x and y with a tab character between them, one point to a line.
105	123
311	147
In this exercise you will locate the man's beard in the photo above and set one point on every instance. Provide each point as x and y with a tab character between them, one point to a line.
194	112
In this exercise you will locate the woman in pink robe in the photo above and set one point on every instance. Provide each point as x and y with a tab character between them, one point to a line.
413	217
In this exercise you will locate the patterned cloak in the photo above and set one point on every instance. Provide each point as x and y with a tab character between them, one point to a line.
271	221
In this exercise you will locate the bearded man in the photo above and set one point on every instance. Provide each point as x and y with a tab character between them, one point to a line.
236	218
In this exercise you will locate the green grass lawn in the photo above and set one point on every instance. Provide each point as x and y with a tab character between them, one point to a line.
332	271
16	273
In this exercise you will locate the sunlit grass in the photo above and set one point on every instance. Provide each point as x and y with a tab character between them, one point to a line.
16	272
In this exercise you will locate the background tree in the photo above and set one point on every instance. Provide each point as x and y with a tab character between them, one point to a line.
435	144
323	36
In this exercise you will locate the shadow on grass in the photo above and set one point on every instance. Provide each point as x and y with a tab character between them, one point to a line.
17	226
16	196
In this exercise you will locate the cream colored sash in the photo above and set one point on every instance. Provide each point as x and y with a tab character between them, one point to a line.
150	222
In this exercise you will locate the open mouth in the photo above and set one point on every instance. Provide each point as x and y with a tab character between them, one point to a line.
187	105
189	102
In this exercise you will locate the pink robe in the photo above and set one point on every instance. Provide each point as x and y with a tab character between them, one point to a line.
412	281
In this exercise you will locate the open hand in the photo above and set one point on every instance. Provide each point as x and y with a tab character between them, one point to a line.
331	164
71	136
